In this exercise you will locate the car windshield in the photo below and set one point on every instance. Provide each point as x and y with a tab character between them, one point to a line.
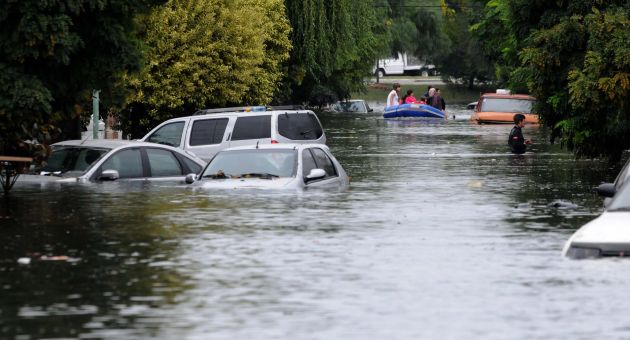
621	202
252	163
350	107
623	176
64	159
506	105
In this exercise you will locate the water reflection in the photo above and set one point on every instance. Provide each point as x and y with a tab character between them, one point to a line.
96	261
440	224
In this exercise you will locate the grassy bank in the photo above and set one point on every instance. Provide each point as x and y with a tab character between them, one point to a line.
453	94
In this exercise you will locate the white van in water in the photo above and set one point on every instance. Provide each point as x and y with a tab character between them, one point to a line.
210	131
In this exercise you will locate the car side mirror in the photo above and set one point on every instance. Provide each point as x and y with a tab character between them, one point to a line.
370	110
109	175
191	178
315	174
606	189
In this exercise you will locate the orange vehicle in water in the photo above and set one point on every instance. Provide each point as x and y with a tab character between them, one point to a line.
500	108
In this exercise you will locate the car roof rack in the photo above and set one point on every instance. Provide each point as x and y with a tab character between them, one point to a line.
286	107
232	109
249	109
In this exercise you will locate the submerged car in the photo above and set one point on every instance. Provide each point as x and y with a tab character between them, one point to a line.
353	105
607	235
273	166
608	190
109	160
500	108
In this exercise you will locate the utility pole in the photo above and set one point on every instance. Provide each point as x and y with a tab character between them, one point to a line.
95	100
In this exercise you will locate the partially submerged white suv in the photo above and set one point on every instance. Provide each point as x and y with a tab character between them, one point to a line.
210	131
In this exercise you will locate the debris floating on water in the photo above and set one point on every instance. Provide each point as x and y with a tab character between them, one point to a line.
560	204
475	184
54	258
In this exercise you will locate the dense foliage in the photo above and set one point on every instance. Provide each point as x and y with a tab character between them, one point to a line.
463	60
207	53
52	55
574	56
334	47
497	41
417	28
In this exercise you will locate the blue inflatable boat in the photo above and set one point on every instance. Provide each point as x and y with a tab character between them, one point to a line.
412	110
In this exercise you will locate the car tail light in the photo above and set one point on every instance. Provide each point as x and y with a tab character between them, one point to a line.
273	141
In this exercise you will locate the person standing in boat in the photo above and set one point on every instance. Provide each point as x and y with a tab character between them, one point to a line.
426	94
430	95
441	100
516	141
392	98
435	99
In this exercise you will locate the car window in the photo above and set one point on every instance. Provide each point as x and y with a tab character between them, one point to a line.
506	105
87	157
169	134
308	162
324	162
299	126
623	176
163	163
66	159
128	163
254	127
353	107
277	162
621	201
208	131
192	166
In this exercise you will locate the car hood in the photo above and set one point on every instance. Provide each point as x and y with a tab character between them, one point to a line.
246	183
610	227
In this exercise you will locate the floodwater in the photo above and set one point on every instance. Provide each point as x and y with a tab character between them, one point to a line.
442	235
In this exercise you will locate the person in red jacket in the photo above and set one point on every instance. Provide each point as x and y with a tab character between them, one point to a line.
409	98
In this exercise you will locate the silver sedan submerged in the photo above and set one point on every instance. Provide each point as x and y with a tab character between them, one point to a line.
273	166
108	160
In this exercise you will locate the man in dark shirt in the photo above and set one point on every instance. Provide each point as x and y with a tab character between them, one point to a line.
516	141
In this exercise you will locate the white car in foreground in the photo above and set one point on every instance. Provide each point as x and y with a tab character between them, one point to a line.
273	166
607	235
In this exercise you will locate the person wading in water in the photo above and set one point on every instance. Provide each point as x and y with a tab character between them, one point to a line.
516	141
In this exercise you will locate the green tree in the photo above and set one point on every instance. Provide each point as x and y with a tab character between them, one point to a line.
334	48
574	56
52	54
496	39
464	61
577	63
207	53
417	28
